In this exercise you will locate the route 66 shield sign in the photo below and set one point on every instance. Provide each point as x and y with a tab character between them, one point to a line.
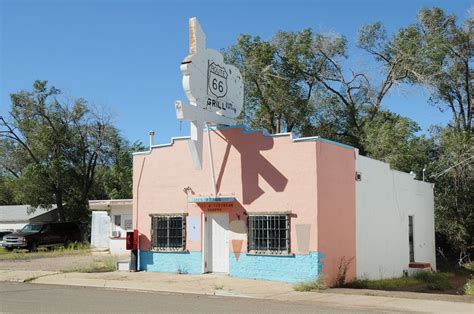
217	80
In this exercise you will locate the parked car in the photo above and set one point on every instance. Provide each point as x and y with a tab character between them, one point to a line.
36	235
2	234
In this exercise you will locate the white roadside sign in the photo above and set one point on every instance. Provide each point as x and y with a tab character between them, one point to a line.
215	90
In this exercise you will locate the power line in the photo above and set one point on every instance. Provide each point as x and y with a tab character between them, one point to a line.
436	175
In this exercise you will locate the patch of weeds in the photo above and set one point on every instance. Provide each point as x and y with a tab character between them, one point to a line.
469	287
182	270
423	281
383	284
342	271
108	264
435	281
218	286
314	285
76	248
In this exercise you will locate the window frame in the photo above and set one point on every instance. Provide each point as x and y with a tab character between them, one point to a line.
119	217
252	230
411	238
168	247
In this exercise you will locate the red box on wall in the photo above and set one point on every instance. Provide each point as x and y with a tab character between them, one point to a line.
132	240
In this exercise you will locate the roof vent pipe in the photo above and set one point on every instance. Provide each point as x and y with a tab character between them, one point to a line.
152	138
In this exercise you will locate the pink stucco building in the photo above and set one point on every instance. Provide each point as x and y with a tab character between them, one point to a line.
286	209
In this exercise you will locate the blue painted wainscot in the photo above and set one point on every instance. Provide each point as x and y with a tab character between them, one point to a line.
289	268
171	262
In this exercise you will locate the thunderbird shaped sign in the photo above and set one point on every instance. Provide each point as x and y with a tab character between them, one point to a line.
215	90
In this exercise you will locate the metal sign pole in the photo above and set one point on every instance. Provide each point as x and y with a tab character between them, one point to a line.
211	161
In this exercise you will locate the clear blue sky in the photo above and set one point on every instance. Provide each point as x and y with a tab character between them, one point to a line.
125	54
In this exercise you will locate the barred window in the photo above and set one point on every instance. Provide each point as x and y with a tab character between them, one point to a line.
168	232
269	234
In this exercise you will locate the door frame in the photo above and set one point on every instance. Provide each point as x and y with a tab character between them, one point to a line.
204	245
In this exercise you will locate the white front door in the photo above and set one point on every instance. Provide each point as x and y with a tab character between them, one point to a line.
217	243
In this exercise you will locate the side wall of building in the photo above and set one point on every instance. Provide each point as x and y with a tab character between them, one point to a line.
384	200
336	211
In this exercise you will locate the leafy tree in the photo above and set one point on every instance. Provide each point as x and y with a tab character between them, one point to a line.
295	74
56	147
7	190
453	174
392	139
273	99
439	54
114	181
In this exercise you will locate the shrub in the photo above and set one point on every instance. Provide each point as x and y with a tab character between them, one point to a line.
342	271
469	266
469	287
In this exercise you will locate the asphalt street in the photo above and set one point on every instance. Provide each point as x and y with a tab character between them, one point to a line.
34	298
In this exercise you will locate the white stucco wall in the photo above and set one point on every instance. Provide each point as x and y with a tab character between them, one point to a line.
100	229
384	200
103	224
118	245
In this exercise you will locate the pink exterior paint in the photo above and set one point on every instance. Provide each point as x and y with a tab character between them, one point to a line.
311	179
336	209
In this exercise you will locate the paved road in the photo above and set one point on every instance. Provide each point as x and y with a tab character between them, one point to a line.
34	298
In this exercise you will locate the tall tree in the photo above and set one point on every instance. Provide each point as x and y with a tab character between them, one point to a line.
393	139
439	54
274	100
453	175
114	179
290	76
57	147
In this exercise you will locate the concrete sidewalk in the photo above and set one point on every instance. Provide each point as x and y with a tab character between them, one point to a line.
211	284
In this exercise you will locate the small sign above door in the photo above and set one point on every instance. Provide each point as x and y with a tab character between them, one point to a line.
216	207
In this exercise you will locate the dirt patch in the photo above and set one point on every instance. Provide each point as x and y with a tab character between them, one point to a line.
59	263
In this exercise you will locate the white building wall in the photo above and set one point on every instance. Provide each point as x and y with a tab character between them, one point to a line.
118	244
384	200
12	225
100	229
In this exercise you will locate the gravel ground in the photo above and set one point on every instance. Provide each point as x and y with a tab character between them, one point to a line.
59	263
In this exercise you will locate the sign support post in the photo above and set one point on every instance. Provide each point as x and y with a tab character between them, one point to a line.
211	161
215	91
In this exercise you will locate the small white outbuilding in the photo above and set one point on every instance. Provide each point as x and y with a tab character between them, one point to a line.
111	219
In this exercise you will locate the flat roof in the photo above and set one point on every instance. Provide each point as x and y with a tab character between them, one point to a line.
108	204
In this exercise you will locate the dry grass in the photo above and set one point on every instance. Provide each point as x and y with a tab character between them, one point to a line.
98	265
76	248
425	280
315	285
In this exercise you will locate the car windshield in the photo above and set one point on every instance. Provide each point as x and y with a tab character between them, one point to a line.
31	228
